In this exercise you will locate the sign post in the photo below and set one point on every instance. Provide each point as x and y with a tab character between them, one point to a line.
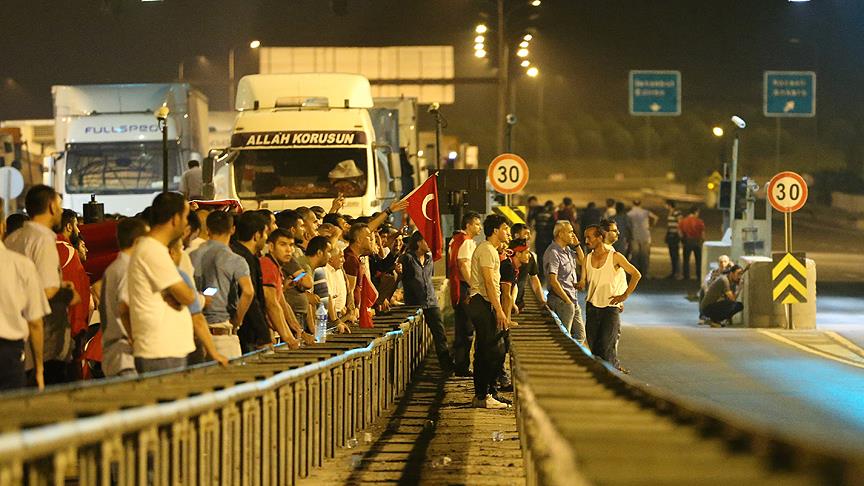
655	93
788	94
508	174
787	193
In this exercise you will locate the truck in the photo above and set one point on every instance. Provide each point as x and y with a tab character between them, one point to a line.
303	139
111	146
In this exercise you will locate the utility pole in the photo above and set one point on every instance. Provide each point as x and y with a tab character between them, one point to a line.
503	77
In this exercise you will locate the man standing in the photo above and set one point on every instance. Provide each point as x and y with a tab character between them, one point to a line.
486	312
462	248
117	357
530	271
22	306
720	302
280	245
191	182
417	271
72	270
607	291
640	245
561	263
37	241
544	227
162	334
218	268
693	231
625	229
249	240
673	237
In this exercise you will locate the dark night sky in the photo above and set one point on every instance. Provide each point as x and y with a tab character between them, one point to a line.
585	48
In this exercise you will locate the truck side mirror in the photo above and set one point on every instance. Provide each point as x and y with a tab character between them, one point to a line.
207	169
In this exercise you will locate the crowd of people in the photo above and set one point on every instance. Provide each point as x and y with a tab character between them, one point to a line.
190	284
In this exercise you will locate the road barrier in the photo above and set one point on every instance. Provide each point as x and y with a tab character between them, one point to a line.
581	421
266	419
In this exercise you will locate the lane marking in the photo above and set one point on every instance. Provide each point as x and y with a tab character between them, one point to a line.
814	350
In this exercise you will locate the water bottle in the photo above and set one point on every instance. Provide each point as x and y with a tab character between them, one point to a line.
321	324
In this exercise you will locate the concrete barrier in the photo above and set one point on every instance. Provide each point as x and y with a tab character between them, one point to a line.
760	310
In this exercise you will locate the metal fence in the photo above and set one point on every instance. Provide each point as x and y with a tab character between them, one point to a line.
577	415
270	428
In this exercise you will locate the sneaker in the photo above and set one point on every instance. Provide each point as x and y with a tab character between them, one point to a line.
487	402
505	401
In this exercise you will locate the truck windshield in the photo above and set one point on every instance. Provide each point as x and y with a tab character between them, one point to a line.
119	168
300	173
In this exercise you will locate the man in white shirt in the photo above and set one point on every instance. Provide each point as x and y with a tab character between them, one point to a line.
162	334
191	182
22	306
37	241
117	358
487	315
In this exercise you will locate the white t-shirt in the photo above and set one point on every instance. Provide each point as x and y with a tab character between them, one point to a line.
336	286
158	330
466	251
485	256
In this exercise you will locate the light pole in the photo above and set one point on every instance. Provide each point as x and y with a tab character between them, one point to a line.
162	116
255	44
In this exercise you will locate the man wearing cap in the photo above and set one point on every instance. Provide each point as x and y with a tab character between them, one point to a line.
720	302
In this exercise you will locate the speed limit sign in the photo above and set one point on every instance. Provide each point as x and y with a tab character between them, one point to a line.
508	173
787	192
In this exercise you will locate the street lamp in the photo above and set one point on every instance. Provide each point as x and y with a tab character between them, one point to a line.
532	71
255	44
480	53
481	29
522	52
717	131
162	116
525	63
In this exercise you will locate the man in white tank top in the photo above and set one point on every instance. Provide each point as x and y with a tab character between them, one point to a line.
607	291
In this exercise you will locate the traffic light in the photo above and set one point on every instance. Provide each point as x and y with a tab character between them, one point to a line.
740	196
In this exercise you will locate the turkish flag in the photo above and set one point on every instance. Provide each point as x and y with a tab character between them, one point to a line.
423	210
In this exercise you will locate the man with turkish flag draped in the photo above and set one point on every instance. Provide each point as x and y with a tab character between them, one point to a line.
423	210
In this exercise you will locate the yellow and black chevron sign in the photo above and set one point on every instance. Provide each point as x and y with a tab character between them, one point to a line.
789	278
514	214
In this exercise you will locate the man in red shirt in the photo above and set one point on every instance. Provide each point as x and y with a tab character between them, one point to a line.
692	228
279	314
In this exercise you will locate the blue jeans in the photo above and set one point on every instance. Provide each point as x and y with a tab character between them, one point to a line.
149	365
570	315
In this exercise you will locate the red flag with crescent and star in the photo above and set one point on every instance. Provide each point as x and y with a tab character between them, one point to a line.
423	210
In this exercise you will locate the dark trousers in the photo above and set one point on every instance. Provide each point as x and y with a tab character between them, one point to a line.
488	346
603	327
464	335
673	241
433	319
12	364
722	310
694	246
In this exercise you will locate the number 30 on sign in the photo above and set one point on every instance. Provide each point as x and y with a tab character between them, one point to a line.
787	192
508	173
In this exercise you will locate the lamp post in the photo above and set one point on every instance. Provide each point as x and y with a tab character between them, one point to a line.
162	116
255	44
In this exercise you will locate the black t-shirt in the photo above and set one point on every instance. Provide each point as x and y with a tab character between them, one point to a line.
530	269
254	331
509	274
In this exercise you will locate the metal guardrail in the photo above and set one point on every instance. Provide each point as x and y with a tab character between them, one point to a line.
560	388
256	422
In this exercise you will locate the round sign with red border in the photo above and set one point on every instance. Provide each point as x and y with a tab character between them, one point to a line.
787	192
508	173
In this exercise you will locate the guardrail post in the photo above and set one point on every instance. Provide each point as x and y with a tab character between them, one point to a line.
301	420
327	414
270	457
286	435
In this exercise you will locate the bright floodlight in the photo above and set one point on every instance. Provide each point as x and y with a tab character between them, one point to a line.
480	53
717	131
522	52
480	29
523	44
535	3
527	37
479	46
452	155
532	71
255	44
479	39
525	63
419	153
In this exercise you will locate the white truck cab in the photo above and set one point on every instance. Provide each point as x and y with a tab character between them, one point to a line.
302	139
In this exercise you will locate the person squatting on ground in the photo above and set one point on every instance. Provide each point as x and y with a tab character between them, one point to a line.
720	301
607	291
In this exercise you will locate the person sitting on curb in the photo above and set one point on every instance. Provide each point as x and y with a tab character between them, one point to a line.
720	302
